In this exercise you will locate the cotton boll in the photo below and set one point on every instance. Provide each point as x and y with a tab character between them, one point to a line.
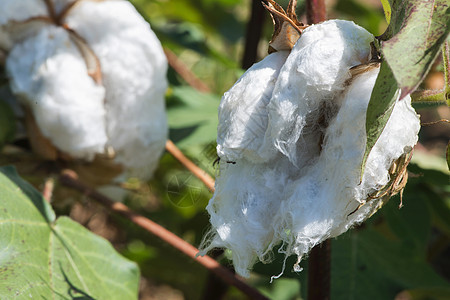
49	75
257	206
323	201
133	69
243	113
314	74
241	217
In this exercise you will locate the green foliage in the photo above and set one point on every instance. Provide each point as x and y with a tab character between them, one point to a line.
192	116
380	108
418	29
392	252
45	257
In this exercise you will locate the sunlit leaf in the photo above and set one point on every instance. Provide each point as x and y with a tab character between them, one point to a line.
414	38
192	116
415	34
46	258
387	10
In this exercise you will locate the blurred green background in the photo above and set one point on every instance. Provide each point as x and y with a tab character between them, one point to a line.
396	254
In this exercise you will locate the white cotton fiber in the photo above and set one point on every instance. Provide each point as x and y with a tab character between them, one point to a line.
49	75
122	113
299	182
20	10
321	203
134	75
13	12
314	73
243	111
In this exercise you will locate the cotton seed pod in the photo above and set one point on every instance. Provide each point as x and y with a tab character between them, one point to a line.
92	74
294	127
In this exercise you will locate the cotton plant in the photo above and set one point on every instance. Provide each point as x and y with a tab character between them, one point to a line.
91	78
291	141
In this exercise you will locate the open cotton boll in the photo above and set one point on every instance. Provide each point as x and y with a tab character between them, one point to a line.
134	74
242	208
323	202
299	183
314	73
49	75
243	114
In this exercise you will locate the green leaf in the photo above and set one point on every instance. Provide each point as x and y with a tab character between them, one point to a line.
368	265
44	258
428	293
192	116
387	10
414	38
381	104
415	34
282	289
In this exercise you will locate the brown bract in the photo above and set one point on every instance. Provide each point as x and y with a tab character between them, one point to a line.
287	28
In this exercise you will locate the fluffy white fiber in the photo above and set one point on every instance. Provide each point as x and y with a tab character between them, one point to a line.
134	74
125	112
295	181
49	74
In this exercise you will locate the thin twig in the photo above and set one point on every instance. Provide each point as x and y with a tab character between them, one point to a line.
429	96
446	60
253	35
315	11
69	179
185	73
435	122
47	191
199	173
319	261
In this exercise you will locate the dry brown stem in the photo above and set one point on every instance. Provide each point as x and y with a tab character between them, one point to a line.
193	168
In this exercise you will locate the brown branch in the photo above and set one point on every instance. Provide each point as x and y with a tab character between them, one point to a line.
69	179
315	11
199	173
320	256
319	264
253	35
47	191
185	73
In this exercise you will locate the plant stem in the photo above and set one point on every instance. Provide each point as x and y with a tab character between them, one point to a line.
70	179
185	73
429	96
446	60
253	35
319	264
315	11
319	260
199	173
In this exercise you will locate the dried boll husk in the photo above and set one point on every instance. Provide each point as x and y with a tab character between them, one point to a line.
93	75
297	144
